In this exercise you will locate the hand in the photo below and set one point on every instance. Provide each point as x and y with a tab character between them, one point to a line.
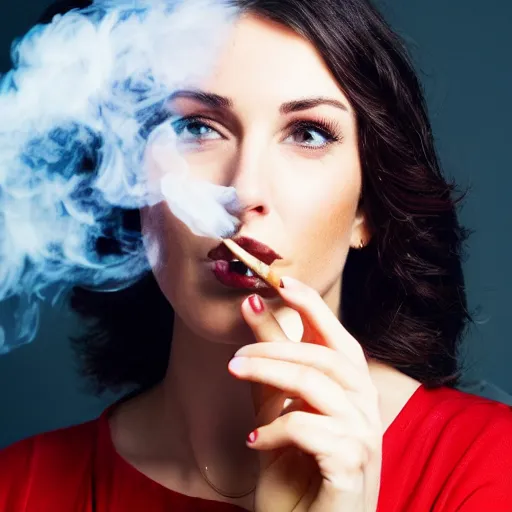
322	453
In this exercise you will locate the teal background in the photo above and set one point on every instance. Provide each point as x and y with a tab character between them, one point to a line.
462	52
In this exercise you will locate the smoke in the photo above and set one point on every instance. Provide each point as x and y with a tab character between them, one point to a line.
84	130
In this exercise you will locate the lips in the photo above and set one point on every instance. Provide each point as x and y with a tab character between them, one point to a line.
257	249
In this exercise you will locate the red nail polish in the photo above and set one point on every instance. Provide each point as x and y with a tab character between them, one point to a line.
281	284
252	436
256	304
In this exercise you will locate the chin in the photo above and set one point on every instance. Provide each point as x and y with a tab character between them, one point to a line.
218	320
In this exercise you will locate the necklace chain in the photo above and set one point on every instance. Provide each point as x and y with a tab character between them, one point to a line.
217	489
223	493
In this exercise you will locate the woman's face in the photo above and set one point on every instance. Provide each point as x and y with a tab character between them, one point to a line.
285	138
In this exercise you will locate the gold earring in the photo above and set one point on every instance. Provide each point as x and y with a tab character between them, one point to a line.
361	244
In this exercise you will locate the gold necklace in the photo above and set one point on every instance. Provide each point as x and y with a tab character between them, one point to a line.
212	485
222	493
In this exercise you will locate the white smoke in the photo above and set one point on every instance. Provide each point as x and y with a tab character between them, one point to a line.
84	101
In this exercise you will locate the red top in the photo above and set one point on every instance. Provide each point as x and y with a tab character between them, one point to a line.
446	451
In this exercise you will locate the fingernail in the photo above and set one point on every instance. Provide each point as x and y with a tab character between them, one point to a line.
256	304
236	364
252	436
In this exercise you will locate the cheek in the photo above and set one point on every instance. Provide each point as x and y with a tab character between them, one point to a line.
166	243
156	227
323	235
320	214
324	212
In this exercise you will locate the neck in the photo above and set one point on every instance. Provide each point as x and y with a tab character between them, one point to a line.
214	407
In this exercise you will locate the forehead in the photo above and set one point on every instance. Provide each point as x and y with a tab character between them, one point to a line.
268	63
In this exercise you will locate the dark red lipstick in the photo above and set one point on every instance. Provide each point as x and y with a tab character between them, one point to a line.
257	249
233	273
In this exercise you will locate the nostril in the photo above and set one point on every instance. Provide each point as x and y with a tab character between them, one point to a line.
260	209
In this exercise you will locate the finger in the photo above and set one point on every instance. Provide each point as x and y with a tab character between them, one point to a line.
268	401
306	382
316	435
261	320
320	323
359	388
331	363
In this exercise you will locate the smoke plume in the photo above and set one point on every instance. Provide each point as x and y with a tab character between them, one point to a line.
83	127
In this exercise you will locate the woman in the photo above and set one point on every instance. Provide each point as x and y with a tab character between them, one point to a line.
315	115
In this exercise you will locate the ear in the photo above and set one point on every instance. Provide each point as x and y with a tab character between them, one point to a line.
361	235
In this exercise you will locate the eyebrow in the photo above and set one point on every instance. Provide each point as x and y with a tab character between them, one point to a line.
216	101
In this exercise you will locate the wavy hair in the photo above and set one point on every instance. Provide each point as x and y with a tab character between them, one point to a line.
403	296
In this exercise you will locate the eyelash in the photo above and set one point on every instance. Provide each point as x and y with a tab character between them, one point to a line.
328	128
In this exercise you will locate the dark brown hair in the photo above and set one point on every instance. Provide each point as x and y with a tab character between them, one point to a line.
403	295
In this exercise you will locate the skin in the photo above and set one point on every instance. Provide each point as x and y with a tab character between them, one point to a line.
300	196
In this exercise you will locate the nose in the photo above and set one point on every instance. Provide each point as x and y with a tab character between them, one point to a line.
250	177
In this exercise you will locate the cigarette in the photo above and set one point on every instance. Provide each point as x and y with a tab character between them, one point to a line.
258	267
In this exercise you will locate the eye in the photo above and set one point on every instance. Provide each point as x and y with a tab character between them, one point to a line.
315	134
193	129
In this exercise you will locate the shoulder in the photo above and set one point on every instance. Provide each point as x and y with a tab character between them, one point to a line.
443	410
60	441
458	451
461	412
477	438
480	427
466	423
34	464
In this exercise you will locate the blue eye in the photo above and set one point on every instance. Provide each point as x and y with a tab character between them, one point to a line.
191	129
